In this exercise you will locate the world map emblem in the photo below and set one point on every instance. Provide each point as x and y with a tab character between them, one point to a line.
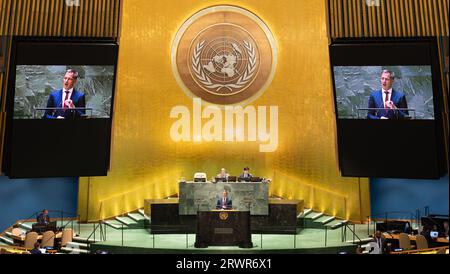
225	55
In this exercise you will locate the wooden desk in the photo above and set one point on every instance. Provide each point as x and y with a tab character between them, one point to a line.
223	228
21	238
412	237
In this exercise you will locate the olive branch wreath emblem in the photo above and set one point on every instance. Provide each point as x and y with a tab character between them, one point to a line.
206	81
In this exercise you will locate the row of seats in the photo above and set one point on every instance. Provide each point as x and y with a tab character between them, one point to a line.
405	242
48	238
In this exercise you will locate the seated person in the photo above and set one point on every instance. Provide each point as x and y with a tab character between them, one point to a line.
43	218
36	249
224	202
223	175
445	230
246	175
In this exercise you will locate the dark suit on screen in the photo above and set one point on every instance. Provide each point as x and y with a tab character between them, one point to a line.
55	100
376	101
227	203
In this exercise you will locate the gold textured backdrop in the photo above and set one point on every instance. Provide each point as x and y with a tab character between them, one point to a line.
146	163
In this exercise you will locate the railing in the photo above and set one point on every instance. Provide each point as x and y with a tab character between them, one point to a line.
412	217
60	218
101	226
353	231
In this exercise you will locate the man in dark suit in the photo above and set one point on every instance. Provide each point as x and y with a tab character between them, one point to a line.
385	103
66	98
224	202
43	218
246	175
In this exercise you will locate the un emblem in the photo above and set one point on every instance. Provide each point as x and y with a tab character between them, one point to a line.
224	55
223	216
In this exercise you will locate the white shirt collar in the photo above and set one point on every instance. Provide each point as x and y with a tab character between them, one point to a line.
69	90
389	90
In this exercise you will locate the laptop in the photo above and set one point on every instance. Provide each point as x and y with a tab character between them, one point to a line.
256	179
231	178
434	234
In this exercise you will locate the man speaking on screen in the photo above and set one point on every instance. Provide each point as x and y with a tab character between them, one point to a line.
387	103
66	99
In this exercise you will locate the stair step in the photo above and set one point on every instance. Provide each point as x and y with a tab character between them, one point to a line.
305	212
136	216
327	219
114	224
83	240
141	210
333	222
339	224
25	226
75	250
126	220
317	216
7	240
321	218
77	245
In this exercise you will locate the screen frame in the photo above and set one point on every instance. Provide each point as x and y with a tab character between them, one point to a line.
106	49
358	47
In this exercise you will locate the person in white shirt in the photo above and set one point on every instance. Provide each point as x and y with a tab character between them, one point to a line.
380	241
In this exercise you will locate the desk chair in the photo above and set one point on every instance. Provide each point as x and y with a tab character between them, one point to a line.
48	239
404	241
421	242
30	240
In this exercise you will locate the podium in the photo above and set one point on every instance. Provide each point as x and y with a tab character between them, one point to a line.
375	110
71	111
223	228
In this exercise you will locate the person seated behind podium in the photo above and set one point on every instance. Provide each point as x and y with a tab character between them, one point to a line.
223	174
66	98
386	100
224	202
43	218
246	175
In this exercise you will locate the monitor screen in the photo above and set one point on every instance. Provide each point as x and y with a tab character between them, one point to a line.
359	92
434	234
38	90
60	93
388	104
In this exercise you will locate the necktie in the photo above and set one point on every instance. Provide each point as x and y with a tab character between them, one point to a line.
223	202
66	98
386	98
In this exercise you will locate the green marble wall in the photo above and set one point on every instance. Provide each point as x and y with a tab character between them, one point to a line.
203	196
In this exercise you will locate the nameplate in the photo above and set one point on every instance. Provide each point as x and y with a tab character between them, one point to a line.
223	230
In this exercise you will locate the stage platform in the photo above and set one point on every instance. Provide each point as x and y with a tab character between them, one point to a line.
140	241
308	241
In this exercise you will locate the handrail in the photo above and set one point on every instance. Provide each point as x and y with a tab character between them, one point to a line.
414	217
344	231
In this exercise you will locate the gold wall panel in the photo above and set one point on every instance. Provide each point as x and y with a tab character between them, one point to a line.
146	163
395	18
